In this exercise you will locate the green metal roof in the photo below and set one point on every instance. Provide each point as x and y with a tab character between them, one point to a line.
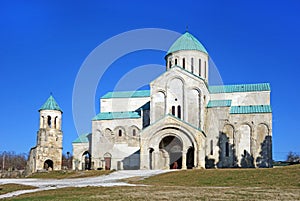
82	138
50	104
219	103
239	88
116	115
187	42
250	109
127	94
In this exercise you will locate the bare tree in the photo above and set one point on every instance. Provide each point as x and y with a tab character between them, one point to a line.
12	161
293	157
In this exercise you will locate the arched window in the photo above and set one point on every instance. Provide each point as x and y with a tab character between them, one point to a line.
199	67
120	133
211	147
205	70
175	62
173	110
55	123
49	121
133	132
192	65
183	63
179	111
227	149
170	64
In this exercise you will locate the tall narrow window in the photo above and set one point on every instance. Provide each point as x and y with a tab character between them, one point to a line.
175	62
226	149
173	110
179	111
120	133
200	67
211	147
183	63
133	132
170	64
192	65
205	70
49	121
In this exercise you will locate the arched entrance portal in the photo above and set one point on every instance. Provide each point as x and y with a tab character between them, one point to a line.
173	147
48	165
86	165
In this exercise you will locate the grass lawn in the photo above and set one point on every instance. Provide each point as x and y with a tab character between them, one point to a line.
220	184
7	188
68	174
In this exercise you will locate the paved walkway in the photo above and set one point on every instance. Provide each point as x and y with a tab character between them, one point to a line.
112	179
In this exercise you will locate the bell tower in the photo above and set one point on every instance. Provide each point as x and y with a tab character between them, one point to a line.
47	154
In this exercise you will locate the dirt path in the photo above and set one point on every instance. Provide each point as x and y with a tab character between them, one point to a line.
112	179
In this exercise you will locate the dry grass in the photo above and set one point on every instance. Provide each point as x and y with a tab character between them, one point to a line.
68	174
6	188
222	184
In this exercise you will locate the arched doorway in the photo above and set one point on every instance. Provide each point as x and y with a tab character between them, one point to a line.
173	146
190	158
107	159
86	164
48	165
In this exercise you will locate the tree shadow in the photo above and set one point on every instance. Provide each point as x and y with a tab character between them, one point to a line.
265	158
247	160
227	152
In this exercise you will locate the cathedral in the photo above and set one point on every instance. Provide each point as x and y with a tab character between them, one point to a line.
181	122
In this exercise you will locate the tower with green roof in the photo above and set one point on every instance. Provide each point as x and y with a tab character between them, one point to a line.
188	53
47	154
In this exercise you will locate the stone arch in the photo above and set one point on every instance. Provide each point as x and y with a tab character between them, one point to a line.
188	139
109	135
175	94
133	131
173	146
226	143
194	106
48	165
263	153
120	134
86	160
243	145
107	160
159	104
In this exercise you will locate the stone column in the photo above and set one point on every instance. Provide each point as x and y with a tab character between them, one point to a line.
183	160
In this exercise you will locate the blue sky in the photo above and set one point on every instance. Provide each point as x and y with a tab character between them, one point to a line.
44	43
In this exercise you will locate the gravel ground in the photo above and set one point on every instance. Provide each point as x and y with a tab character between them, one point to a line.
105	180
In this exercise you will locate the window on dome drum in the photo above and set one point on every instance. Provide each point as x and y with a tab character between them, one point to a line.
175	62
199	67
49	121
170	64
227	149
205	70
192	65
120	133
211	147
183	63
173	110
179	111
133	132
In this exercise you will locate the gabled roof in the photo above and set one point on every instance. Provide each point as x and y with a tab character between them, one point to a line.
127	94
239	88
117	115
50	104
219	103
82	138
187	42
250	109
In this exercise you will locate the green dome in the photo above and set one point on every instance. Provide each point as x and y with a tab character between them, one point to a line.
187	42
50	104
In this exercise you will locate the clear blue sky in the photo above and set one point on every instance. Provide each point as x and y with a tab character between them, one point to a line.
43	44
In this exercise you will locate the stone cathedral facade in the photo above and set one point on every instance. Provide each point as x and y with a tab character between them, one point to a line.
181	122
